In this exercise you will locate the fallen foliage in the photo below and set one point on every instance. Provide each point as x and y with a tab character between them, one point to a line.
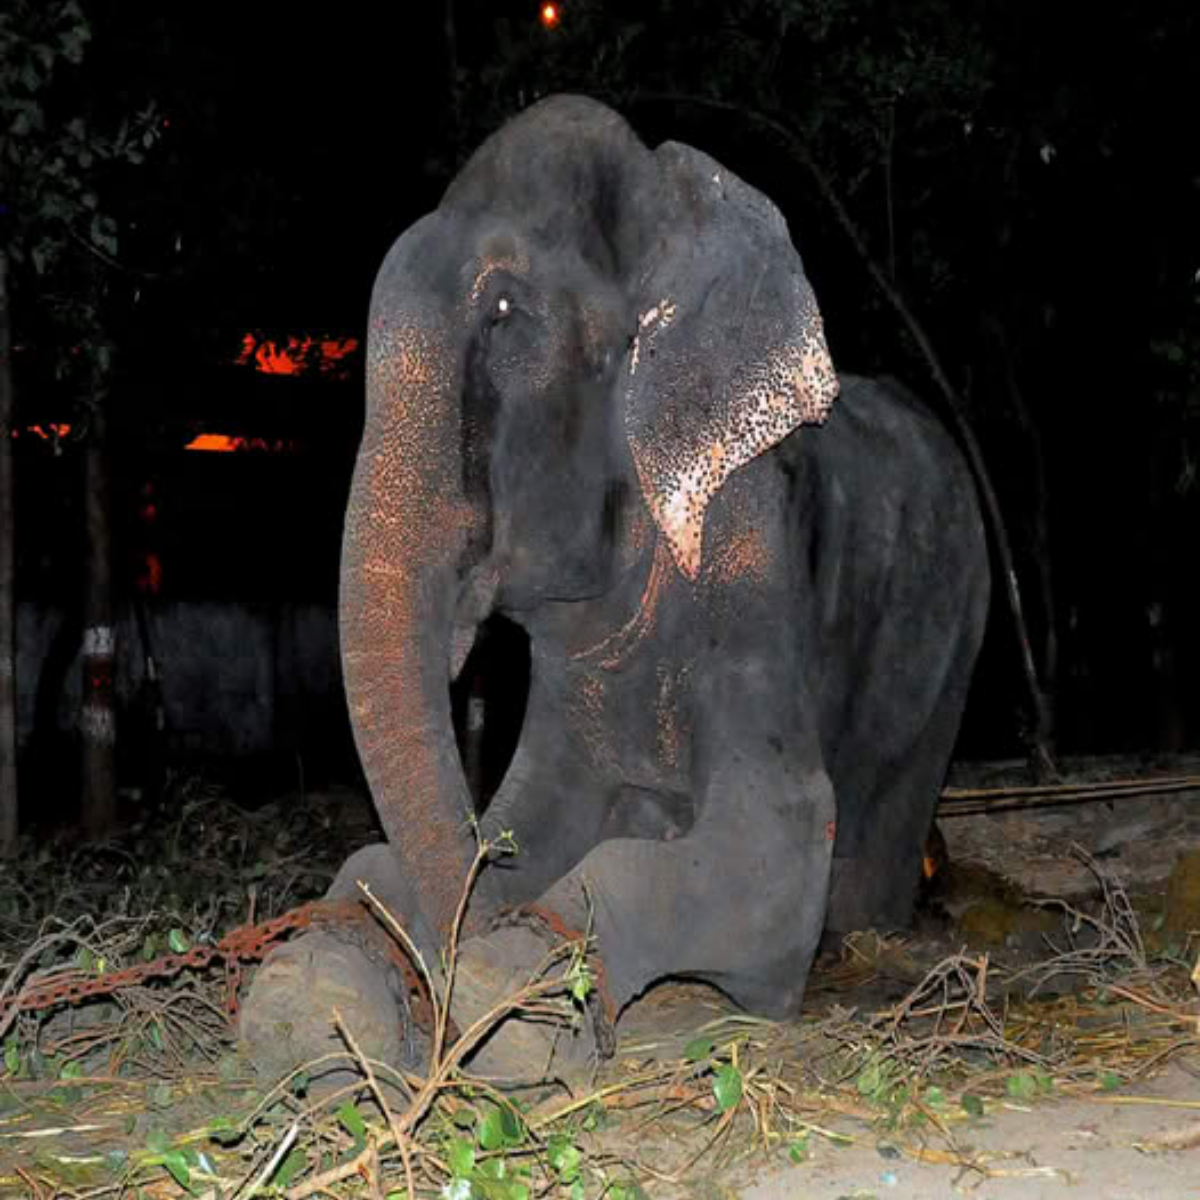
141	1092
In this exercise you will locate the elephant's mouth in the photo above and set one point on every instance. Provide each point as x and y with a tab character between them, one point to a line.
488	698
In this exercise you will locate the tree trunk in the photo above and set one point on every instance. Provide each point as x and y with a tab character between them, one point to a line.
97	717
8	599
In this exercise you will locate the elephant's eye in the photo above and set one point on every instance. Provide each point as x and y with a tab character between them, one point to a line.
504	308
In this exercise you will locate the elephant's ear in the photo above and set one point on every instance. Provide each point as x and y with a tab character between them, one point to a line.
729	355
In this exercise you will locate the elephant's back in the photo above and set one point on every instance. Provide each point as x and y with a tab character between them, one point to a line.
887	513
885	456
881	416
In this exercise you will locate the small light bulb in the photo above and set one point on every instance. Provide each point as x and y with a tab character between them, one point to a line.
550	15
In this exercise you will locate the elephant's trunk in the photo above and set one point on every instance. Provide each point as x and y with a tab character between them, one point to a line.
407	525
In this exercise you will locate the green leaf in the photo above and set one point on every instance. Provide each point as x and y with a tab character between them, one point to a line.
581	981
799	1150
176	1163
85	960
12	1058
595	1117
176	939
1022	1086
699	1049
465	1118
493	1170
224	1132
157	1141
500	1128
935	1097
565	1157
870	1079
972	1104
727	1087
291	1166
353	1123
460	1156
632	1190
149	947
1110	1081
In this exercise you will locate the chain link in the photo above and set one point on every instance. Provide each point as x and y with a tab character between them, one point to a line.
247	943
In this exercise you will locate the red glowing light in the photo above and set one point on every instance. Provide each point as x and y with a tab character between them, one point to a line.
53	432
221	443
297	355
217	442
149	579
550	15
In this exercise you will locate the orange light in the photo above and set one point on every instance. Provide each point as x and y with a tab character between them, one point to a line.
297	355
550	15
221	443
217	442
149	580
53	432
286	360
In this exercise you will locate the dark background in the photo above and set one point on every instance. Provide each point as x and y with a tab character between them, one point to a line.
1025	177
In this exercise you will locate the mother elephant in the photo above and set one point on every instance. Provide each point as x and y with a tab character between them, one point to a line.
750	645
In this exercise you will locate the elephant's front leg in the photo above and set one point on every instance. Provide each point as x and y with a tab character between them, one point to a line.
739	900
553	801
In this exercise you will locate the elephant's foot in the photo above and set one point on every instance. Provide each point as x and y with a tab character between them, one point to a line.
288	1016
533	1043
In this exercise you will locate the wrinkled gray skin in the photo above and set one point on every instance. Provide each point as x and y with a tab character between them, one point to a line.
727	762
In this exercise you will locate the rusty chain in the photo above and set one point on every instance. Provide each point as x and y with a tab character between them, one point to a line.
250	943
601	1008
247	943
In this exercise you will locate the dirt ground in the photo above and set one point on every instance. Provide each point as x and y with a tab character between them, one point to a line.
1109	1146
1113	1112
1096	1148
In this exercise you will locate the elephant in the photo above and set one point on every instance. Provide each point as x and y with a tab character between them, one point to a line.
600	402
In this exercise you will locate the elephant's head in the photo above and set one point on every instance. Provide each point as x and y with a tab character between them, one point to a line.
583	341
